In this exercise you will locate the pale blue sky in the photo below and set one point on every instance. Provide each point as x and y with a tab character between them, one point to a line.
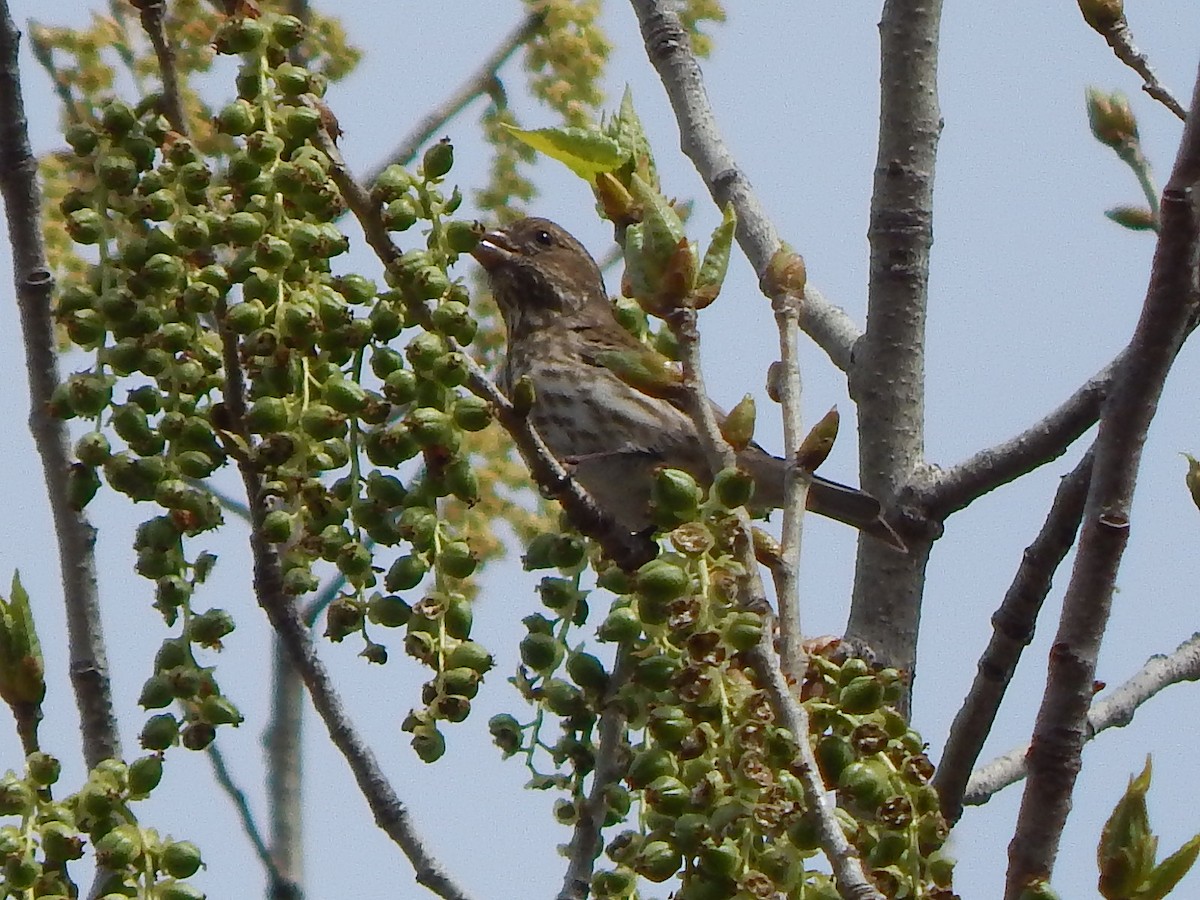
1032	291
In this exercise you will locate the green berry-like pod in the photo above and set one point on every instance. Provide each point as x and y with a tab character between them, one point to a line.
424	350
456	559
558	594
668	795
400	214
834	753
82	138
287	31
117	172
405	573
658	861
669	725
862	695
587	671
145	773
300	122
733	488
888	849
156	693
159	732
458	617
614	883
218	710
662	581
676	491
389	611
385	361
621	624
240	35
462	682
742	630
541	652
344	395
21	873
169	889
648	764
60	843
393	182
562	698
656	672
86	226
438	160
209	627
82	484
43	768
471	655
867	781
267	415
505	732
431	427
461	237
291	81
472	413
120	847
323	422
299	580
428	743
181	859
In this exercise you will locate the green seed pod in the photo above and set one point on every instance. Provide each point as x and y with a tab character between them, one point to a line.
209	627
344	395
145	773
862	695
541	652
561	698
385	361
86	226
458	618
82	484
156	693
437	160
158	206
218	710
390	446
244	228
240	35
181	859
117	117
867	781
392	183
742	630
669	725
505	732
299	580
424	350
733	488
60	844
400	214
291	81
159	732
655	672
456	559
272	253
428	743
587	671
648	764
834	753
431	427
82	139
661	581
622	624
676	491
287	31
300	122
470	655
405	573
323	422
389	611
461	237
117	172
667	794
658	861
171	591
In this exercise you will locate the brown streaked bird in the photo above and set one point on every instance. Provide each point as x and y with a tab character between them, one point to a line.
610	435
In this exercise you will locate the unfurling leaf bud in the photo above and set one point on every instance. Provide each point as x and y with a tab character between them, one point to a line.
785	274
738	427
1110	118
1135	218
815	447
438	160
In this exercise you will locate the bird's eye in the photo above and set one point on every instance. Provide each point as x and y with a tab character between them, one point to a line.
544	238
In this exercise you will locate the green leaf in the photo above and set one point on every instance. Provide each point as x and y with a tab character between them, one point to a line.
584	151
1170	871
1125	855
716	259
626	128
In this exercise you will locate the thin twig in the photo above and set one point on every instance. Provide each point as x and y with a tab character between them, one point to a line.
153	13
1120	38
1012	630
1116	710
786	571
285	775
34	287
958	486
477	84
584	848
246	817
1061	726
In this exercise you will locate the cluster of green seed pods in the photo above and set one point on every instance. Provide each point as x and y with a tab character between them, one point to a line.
137	861
220	332
713	776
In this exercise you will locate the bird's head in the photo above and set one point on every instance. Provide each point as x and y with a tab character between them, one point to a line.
538	273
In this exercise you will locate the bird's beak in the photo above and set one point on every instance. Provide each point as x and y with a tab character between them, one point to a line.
493	250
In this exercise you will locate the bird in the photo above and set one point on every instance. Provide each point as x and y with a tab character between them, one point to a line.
612	437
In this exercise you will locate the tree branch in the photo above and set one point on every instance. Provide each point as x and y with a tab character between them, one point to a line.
1114	711
285	781
1120	38
669	50
152	14
1060	730
1045	441
34	287
1012	630
887	380
480	82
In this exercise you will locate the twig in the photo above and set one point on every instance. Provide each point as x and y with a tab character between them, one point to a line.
246	817
480	82
1045	441
627	550
1060	729
34	286
1012	630
887	380
584	847
285	781
1120	38
786	571
152	15
1114	711
669	50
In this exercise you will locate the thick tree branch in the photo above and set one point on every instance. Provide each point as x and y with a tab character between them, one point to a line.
482	81
283	741
669	50
1061	727
34	287
1012	629
1113	711
887	380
